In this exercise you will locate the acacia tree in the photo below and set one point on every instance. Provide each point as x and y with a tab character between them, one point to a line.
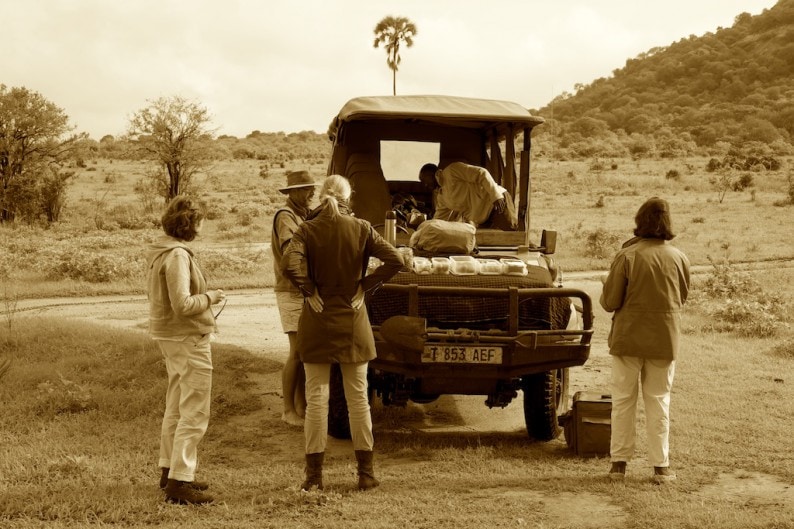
32	151
173	131
391	31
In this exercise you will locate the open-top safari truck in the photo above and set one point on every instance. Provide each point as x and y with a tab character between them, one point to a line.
468	334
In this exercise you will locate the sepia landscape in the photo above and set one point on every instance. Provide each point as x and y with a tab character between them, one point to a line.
706	123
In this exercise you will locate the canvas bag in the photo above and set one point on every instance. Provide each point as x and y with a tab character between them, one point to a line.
443	236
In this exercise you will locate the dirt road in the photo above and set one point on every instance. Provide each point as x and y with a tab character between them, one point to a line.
250	320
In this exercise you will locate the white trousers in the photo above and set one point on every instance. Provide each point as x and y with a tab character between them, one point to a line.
315	424
656	377
187	404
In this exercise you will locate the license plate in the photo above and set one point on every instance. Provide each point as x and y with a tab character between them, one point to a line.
458	354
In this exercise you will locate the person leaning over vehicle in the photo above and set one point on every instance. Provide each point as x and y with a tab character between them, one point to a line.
646	288
299	190
327	260
463	192
181	322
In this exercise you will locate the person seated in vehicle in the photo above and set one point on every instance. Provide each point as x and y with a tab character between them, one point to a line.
468	193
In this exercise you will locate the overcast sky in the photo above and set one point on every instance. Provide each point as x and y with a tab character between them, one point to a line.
289	65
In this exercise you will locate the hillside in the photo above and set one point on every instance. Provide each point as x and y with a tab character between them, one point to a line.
698	96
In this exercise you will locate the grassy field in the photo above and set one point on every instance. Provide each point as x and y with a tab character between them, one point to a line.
97	248
82	406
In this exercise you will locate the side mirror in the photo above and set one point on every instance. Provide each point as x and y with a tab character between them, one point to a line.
548	242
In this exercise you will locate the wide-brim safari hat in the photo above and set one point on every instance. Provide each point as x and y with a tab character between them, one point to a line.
298	180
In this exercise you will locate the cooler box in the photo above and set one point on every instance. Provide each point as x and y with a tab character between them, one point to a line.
589	425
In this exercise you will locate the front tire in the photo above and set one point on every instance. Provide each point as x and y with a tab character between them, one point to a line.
545	400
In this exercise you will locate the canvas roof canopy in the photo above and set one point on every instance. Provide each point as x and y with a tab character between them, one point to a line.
452	110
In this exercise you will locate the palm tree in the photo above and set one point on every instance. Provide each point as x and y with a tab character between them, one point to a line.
391	31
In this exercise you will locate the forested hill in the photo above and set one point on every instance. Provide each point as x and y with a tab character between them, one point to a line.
701	95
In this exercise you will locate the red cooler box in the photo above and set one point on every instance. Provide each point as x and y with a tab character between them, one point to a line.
589	425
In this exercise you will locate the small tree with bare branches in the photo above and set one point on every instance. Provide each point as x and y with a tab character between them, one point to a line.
174	132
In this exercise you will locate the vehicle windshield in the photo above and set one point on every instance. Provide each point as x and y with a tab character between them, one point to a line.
401	160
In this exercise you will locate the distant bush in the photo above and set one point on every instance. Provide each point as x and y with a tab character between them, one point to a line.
597	165
740	162
673	174
601	244
228	264
785	349
93	267
742	182
738	304
698	220
214	211
130	217
746	318
713	165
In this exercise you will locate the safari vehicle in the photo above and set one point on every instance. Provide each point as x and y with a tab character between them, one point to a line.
438	334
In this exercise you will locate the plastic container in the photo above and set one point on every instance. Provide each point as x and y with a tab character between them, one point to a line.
513	267
422	266
441	265
489	267
372	264
463	265
407	255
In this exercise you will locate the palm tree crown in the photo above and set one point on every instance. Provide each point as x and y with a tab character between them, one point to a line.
391	31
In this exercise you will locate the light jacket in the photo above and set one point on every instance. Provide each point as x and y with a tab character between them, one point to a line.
178	300
467	193
646	288
329	253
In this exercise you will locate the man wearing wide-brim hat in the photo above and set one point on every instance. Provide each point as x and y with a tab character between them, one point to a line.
299	190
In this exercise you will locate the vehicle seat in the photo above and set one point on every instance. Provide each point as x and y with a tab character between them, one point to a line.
371	198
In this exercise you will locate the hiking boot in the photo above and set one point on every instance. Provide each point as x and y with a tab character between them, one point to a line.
663	475
183	493
198	485
618	471
314	472
366	474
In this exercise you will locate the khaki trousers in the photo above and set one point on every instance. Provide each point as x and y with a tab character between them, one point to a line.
656	378
187	404
315	424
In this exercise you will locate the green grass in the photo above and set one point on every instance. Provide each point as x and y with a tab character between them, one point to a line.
82	406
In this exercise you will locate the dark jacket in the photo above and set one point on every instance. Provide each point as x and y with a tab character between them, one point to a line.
329	253
647	286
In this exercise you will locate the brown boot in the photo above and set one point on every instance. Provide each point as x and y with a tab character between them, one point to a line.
366	474
181	492
314	471
198	485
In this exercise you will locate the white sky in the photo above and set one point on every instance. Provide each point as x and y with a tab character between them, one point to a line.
289	65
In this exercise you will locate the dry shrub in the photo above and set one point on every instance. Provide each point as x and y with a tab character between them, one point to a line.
738	304
600	243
